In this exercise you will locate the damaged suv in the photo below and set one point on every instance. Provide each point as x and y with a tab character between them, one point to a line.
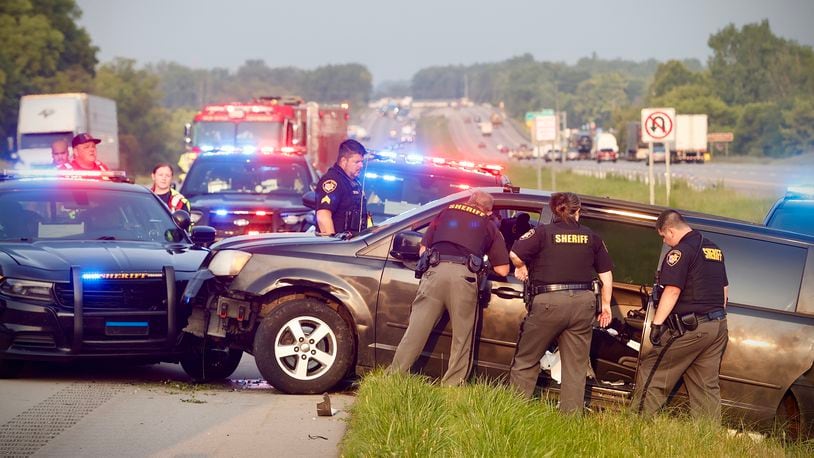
313	310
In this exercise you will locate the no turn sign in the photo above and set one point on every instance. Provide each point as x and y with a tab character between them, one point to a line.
658	125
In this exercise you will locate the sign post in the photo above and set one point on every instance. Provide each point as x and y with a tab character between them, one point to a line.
545	130
658	125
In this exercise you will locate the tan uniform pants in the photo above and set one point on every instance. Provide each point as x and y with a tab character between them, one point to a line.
567	316
697	356
451	287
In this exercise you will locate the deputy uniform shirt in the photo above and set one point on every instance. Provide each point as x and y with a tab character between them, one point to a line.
461	230
343	196
562	252
696	267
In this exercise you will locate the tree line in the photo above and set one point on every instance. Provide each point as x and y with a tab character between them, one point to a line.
755	84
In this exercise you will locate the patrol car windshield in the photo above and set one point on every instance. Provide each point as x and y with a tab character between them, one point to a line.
219	136
392	192
246	176
82	214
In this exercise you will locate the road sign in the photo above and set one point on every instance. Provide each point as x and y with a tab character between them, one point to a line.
720	137
658	125
545	128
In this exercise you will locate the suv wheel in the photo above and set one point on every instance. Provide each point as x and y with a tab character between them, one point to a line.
210	365
304	347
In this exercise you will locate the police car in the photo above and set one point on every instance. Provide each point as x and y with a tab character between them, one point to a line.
394	183
794	211
92	266
239	193
315	309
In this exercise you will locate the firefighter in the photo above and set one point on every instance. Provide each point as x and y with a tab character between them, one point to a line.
341	203
689	331
84	154
450	282
162	181
560	262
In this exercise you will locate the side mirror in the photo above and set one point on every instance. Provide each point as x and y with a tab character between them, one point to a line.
406	246
203	235
309	199
181	218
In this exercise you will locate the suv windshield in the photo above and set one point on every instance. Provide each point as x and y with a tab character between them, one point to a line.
83	214
243	175
213	136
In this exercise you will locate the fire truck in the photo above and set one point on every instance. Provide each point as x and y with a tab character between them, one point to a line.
267	125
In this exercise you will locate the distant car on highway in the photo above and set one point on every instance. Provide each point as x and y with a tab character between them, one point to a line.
502	148
481	145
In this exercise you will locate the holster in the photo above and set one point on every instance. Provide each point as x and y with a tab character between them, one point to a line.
423	263
527	294
675	324
474	264
596	287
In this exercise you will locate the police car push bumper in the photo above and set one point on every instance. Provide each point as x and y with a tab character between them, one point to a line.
123	323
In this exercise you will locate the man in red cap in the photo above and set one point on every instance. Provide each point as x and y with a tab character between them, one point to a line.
84	154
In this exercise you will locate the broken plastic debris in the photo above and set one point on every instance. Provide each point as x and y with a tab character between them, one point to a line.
324	408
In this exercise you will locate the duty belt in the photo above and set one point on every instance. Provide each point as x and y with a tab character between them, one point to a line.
711	316
453	259
539	289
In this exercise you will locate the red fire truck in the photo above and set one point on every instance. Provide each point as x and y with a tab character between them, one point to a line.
267	125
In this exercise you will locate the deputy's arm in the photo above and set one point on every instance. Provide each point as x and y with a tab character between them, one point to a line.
501	270
604	317
521	271
726	295
668	300
326	224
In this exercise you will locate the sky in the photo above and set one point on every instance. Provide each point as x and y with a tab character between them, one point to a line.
396	39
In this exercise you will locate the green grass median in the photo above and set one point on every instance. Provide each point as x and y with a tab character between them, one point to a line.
715	201
397	415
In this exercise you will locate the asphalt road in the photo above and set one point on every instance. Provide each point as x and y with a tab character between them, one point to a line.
105	410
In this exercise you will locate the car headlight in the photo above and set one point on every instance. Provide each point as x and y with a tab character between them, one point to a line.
228	262
292	219
27	289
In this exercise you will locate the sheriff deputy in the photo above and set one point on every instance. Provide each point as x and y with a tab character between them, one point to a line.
341	203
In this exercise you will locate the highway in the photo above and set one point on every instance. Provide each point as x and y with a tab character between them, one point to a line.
768	179
116	409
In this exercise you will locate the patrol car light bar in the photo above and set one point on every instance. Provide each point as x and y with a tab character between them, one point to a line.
414	158
114	175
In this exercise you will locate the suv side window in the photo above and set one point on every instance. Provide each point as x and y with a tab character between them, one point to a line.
761	273
635	250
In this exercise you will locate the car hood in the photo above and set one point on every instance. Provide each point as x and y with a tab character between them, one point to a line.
101	256
302	240
291	203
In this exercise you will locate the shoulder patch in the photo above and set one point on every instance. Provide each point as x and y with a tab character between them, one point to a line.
329	186
673	257
527	234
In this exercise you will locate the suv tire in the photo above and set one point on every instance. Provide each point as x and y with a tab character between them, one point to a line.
11	368
304	347
214	365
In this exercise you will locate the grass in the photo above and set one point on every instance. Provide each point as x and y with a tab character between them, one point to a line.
433	138
396	415
718	201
